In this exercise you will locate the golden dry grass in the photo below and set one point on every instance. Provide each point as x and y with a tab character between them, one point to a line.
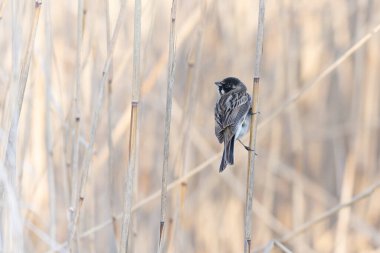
318	141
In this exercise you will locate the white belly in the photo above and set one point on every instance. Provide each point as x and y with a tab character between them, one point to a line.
243	128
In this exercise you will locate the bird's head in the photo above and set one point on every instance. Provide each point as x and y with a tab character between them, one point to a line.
228	84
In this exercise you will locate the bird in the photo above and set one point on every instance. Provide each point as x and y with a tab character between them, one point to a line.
233	111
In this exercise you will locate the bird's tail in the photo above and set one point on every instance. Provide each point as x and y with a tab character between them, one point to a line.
228	153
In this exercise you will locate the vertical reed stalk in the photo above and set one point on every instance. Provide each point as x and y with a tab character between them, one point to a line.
357	119
133	137
13	230
48	127
110	127
85	166
193	63
4	213
169	97
76	119
16	61
10	155
253	130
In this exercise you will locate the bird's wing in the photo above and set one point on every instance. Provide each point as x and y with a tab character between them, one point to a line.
230	109
237	108
219	122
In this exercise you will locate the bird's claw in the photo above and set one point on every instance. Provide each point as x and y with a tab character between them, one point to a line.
252	150
247	148
250	112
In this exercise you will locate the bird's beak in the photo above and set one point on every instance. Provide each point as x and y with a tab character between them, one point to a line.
218	83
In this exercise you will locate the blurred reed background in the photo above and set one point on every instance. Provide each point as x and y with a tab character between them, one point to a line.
318	147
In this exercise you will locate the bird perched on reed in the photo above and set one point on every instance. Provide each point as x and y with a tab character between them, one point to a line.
233	113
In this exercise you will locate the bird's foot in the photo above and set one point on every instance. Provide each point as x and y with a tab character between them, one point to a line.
250	112
247	148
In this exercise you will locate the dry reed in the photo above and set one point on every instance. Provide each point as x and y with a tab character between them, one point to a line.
13	230
317	135
168	113
253	129
134	132
80	189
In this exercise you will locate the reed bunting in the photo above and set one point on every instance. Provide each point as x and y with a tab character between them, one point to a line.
233	113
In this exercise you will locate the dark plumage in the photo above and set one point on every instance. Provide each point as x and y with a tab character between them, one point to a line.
232	116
